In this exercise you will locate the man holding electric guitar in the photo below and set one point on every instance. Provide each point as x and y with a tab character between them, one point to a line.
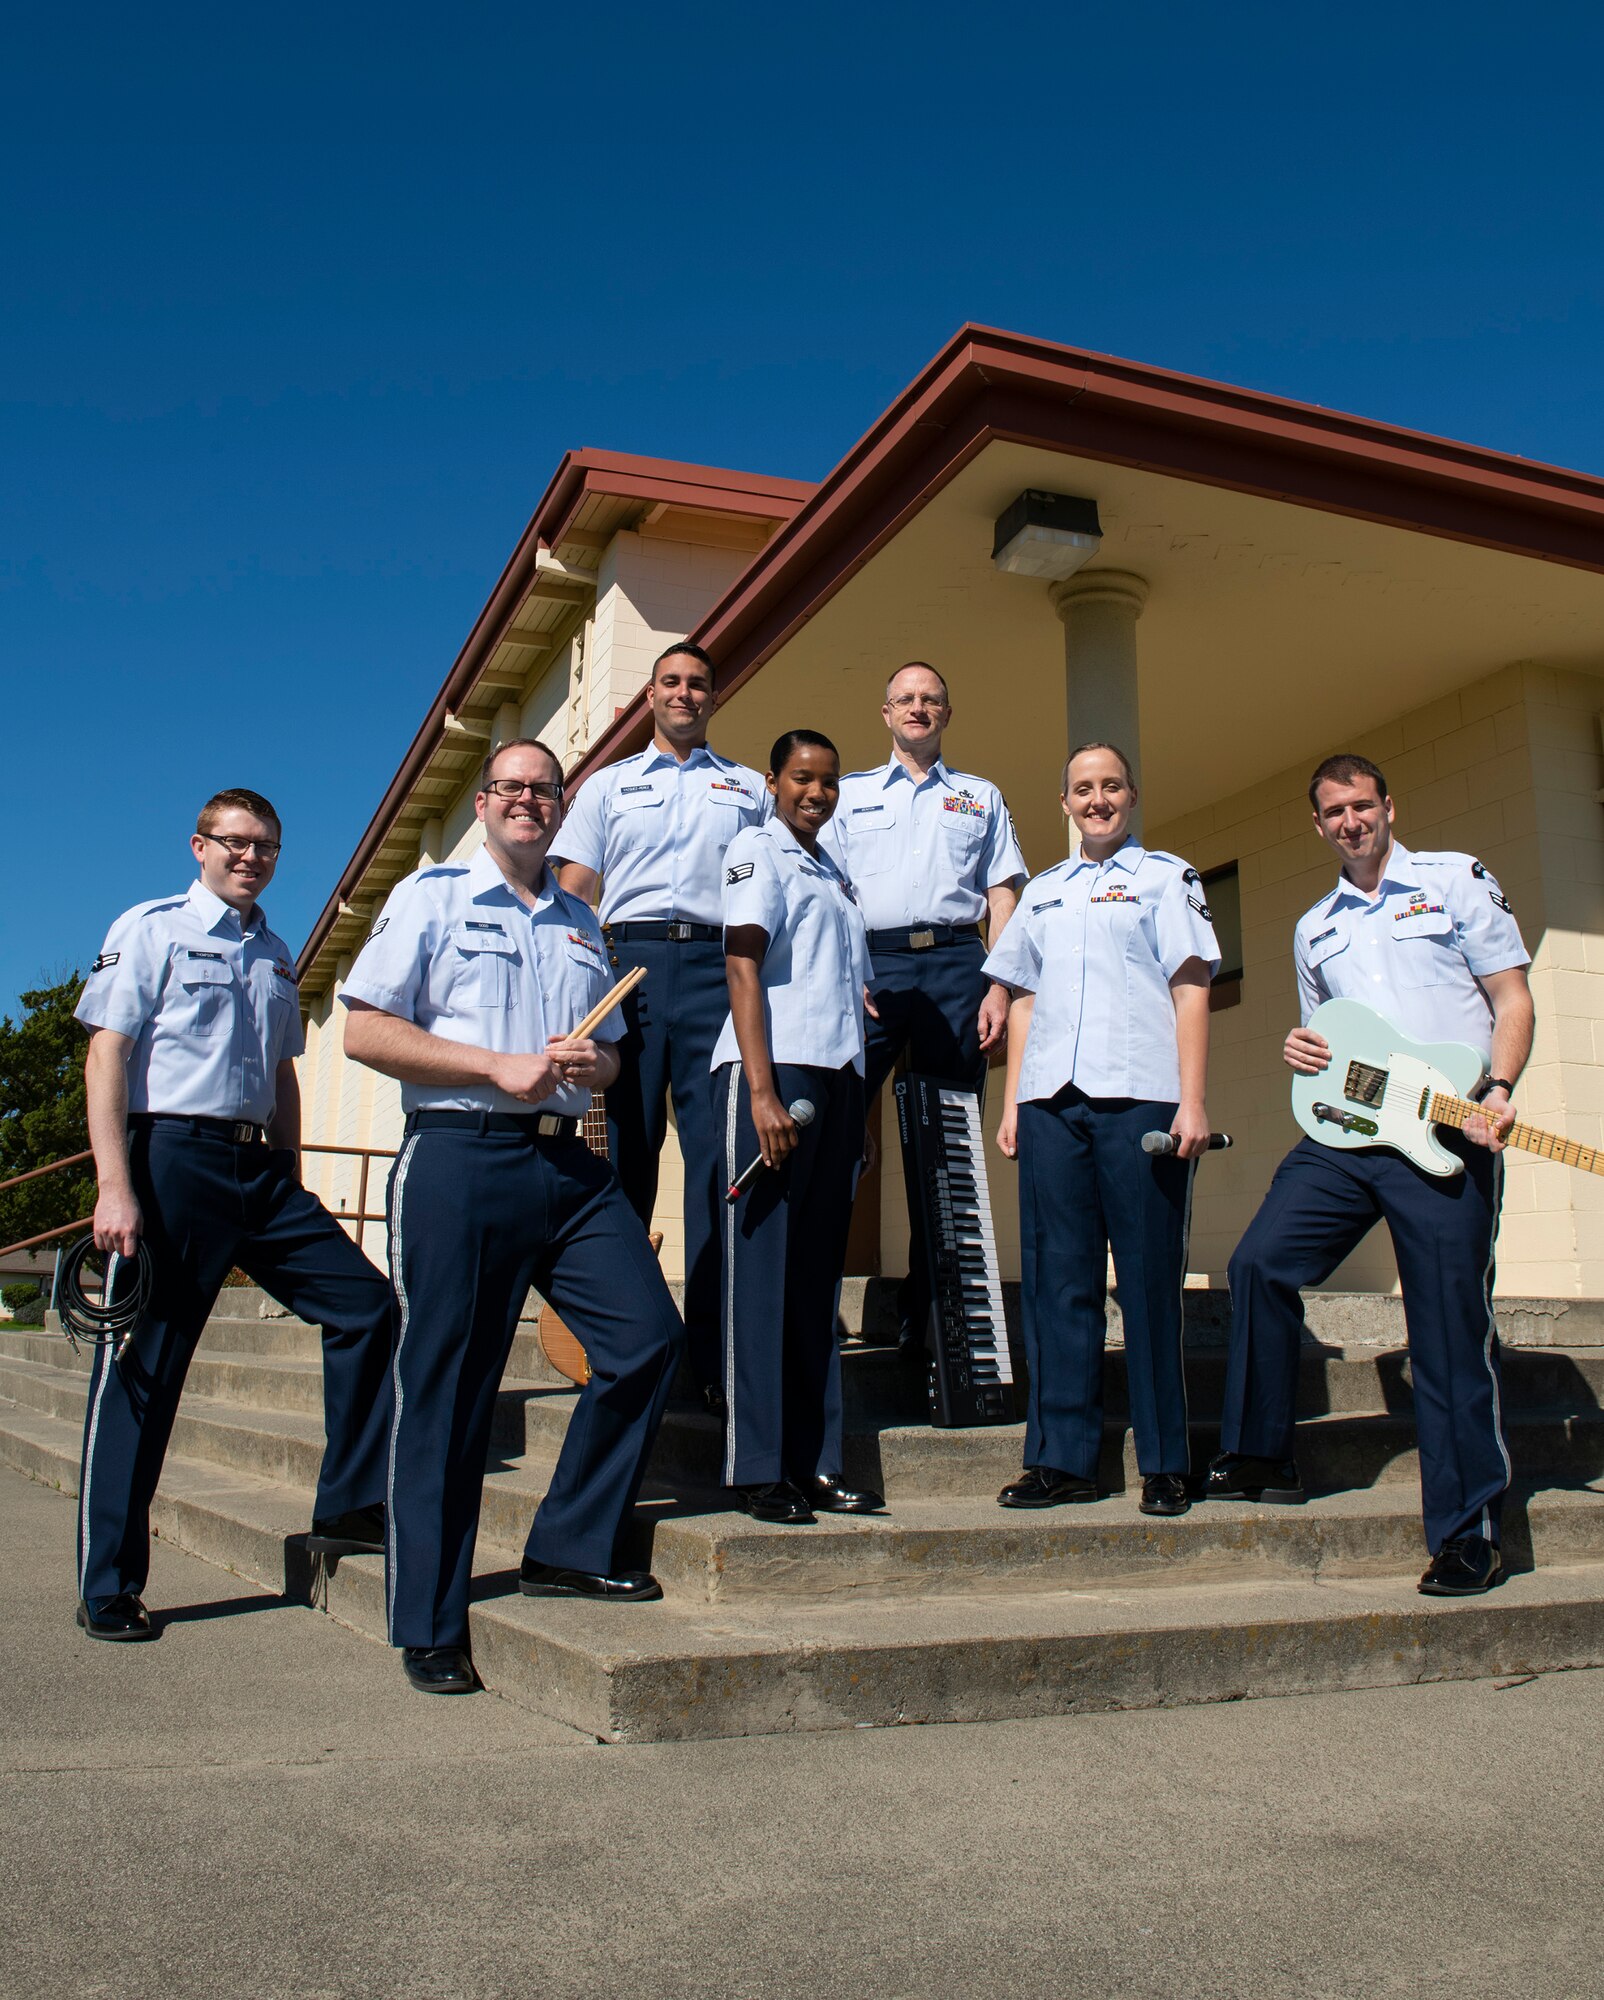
1427	941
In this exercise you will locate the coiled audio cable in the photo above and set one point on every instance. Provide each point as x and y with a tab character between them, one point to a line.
111	1314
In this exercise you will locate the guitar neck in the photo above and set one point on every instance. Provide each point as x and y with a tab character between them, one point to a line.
1446	1110
593	1126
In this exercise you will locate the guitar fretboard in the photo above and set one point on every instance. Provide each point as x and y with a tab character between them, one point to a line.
593	1126
1446	1110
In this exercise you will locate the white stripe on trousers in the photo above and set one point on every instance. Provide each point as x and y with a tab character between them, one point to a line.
731	1170
399	1283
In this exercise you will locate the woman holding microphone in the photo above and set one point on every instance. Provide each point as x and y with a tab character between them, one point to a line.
1109	958
788	1089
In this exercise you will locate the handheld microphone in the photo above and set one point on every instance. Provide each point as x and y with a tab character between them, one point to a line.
800	1113
1161	1143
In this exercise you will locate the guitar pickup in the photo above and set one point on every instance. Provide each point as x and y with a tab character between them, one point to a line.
1348	1121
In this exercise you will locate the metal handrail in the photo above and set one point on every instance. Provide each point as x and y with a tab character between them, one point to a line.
361	1217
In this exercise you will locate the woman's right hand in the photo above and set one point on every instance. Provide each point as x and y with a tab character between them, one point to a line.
1008	1132
775	1127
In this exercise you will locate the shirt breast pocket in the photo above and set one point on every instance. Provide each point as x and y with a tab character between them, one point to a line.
871	842
483	973
209	990
1424	950
637	817
964	833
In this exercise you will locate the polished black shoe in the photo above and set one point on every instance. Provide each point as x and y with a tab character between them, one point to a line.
1236	1476
1046	1486
439	1669
631	1586
1465	1566
1164	1493
778	1501
713	1397
120	1617
831	1496
359	1533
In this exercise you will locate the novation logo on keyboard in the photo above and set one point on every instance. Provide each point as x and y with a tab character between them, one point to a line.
1116	894
964	802
1418	908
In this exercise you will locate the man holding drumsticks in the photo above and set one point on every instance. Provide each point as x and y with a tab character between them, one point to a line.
468	991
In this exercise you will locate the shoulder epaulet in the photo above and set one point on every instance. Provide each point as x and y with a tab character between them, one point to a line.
874	771
434	871
155	907
1443	857
1175	860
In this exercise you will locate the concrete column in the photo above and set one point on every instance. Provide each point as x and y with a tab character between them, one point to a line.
509	724
431	842
1100	608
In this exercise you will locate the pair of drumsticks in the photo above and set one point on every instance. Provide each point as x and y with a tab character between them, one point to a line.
605	1005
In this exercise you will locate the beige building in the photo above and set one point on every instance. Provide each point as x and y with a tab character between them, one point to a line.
1267	583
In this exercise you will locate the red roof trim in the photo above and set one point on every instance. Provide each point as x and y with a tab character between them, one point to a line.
987	385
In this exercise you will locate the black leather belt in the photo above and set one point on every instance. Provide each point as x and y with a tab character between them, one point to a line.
922	937
679	931
237	1131
531	1124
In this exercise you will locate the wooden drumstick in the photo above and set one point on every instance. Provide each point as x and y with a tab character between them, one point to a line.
605	1005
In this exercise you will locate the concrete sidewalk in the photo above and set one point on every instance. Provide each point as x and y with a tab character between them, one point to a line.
258	1805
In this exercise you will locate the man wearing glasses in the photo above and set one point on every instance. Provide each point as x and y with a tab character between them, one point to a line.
195	1121
931	854
647	836
467	991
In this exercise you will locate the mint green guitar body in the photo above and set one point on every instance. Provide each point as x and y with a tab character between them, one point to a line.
1377	1087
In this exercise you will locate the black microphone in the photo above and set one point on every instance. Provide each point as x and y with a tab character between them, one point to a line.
800	1113
1160	1143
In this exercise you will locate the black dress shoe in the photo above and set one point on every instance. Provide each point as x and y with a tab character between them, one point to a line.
439	1669
1046	1486
1464	1566
1164	1493
359	1533
1235	1475
778	1501
119	1617
713	1397
828	1495
538	1579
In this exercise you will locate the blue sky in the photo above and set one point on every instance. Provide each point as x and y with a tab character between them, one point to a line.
300	307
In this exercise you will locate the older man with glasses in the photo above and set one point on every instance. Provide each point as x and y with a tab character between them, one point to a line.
932	855
468	992
195	1121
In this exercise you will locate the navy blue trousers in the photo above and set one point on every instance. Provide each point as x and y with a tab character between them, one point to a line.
671	1024
929	1004
476	1218
208	1205
785	1243
1321	1204
1085	1188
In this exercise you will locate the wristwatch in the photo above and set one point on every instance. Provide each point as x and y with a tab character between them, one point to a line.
1495	1083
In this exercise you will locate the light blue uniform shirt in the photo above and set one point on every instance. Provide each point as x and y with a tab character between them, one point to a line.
1097	942
458	953
922	852
1416	951
209	1002
656	831
817	963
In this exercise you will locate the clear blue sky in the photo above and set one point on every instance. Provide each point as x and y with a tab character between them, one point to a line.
300	307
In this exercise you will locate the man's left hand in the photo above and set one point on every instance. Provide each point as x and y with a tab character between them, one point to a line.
993	1018
580	1062
1494	1116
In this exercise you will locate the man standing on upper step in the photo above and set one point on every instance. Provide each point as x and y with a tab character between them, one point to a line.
195	1121
648	834
469	990
932	856
1428	941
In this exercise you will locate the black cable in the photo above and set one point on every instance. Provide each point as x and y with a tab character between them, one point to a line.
118	1308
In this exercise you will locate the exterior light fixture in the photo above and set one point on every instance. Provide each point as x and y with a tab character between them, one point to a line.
1047	535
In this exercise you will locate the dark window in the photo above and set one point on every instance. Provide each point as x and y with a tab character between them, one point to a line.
1222	890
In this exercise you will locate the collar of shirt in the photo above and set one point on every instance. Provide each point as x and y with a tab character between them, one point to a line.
1399	873
783	837
895	768
487	884
704	753
220	916
1130	857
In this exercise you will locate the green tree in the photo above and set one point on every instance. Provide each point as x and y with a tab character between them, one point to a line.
42	1114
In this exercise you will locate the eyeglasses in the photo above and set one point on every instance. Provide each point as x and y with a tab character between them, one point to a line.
514	788
267	850
903	701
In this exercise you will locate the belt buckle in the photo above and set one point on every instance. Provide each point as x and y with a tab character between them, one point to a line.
921	940
242	1134
679	932
548	1125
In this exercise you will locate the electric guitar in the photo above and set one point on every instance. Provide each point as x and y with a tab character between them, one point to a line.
1382	1089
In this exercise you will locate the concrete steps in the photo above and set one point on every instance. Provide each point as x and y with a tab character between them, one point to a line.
947	1608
